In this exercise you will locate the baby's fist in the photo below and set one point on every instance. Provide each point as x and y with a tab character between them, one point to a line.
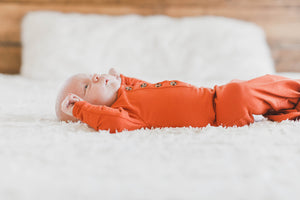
68	103
114	72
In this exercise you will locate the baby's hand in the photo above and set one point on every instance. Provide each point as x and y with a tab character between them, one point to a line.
114	72
68	103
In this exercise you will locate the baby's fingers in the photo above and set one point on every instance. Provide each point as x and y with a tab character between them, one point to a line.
74	98
68	104
114	72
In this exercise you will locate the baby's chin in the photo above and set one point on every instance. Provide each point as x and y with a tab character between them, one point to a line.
115	85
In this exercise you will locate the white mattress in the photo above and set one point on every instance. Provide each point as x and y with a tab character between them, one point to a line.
42	158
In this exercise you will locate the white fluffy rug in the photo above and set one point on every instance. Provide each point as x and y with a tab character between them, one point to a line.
42	158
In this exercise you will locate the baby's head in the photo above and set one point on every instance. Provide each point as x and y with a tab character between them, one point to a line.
96	89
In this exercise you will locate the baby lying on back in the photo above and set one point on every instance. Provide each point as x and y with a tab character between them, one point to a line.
115	102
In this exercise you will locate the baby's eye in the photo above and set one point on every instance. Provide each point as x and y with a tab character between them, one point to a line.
86	86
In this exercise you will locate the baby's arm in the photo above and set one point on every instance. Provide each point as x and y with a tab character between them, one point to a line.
100	117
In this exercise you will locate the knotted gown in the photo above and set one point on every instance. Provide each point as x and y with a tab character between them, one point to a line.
174	103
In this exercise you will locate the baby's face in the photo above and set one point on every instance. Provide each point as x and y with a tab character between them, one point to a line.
96	89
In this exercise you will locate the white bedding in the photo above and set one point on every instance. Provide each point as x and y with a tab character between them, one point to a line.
42	158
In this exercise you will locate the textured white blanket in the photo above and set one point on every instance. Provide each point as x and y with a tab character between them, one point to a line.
41	158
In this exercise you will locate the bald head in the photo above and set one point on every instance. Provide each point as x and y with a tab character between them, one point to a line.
96	89
67	87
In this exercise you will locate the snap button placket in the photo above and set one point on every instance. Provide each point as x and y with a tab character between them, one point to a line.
158	85
143	85
128	88
173	83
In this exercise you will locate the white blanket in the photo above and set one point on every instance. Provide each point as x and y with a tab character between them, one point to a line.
42	158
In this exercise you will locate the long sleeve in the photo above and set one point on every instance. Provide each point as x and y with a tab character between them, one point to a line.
105	118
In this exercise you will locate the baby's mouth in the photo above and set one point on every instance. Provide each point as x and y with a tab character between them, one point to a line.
106	81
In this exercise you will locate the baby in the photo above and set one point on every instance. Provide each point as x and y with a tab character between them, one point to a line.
115	102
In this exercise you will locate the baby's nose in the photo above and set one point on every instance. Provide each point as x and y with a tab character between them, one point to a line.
95	77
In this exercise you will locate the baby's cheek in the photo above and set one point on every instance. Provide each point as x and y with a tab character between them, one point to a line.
116	85
97	100
94	101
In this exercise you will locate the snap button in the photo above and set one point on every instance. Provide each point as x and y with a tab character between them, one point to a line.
143	85
128	88
173	83
157	84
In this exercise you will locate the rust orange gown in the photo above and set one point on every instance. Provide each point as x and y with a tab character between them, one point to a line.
177	104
